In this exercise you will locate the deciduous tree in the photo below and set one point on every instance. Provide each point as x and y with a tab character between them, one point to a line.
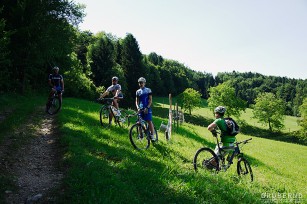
269	110
189	100
224	95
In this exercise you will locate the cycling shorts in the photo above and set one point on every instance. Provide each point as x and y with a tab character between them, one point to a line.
148	116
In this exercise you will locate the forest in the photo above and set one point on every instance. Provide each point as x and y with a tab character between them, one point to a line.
36	35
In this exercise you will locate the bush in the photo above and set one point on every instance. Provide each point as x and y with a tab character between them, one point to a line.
77	84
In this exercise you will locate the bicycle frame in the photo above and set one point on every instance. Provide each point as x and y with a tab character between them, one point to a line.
140	131
51	107
141	121
235	153
208	160
110	111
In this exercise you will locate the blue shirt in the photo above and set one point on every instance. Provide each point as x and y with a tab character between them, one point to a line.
143	95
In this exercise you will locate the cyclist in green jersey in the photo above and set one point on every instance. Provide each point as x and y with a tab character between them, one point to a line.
227	141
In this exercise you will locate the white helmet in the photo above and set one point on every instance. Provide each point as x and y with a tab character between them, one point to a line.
220	109
142	79
115	78
55	68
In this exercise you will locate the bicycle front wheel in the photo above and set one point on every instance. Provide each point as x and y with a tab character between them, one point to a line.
155	135
104	117
54	105
205	160
244	169
138	137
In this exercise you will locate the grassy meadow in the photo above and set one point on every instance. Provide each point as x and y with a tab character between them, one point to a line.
101	165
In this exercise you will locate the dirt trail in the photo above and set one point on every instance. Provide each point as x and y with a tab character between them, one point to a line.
35	164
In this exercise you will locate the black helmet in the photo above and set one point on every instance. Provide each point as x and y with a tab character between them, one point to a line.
220	109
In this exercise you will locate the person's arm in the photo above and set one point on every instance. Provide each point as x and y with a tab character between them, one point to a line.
50	83
137	103
50	80
211	126
104	94
117	94
62	82
149	101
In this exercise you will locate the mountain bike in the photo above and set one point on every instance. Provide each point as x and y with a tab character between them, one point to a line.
54	104
140	134
108	112
205	159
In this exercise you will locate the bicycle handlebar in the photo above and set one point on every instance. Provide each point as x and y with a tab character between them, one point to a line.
215	132
108	100
244	141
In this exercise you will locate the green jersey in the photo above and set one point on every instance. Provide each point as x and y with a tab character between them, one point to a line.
225	138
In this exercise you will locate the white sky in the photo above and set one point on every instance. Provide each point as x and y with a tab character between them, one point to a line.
263	36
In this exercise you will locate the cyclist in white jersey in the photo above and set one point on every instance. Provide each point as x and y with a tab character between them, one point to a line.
115	89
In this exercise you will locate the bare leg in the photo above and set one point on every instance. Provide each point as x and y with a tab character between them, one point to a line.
49	97
151	127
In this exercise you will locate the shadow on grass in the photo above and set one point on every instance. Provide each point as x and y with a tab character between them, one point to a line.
104	168
277	136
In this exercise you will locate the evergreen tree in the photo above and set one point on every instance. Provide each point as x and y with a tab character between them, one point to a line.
131	62
102	60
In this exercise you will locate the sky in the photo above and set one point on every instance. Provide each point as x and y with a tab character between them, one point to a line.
261	36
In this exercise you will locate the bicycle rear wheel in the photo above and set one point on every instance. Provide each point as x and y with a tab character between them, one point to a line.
138	137
54	105
244	169
205	160
104	117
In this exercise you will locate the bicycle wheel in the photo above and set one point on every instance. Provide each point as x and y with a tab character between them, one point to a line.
155	135
104	116
54	105
138	137
123	119
205	159
244	169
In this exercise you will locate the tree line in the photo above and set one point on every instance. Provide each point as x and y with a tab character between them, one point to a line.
36	35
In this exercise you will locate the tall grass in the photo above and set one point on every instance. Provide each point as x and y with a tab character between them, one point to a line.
103	167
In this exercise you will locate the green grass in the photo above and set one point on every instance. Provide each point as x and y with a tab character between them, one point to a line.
104	168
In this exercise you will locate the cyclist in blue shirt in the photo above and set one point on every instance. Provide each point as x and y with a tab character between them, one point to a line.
56	82
143	101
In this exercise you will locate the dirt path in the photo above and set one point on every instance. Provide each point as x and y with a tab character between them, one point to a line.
35	163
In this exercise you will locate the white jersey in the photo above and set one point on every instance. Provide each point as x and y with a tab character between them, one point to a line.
114	88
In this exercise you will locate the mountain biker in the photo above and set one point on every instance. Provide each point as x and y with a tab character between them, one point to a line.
143	101
227	142
115	89
56	82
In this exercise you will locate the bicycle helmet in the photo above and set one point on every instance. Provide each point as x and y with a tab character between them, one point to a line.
142	79
220	110
115	78
55	68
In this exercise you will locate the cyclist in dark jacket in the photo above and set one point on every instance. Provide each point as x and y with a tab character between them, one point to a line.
56	82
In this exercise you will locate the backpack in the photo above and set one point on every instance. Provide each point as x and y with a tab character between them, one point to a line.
232	126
